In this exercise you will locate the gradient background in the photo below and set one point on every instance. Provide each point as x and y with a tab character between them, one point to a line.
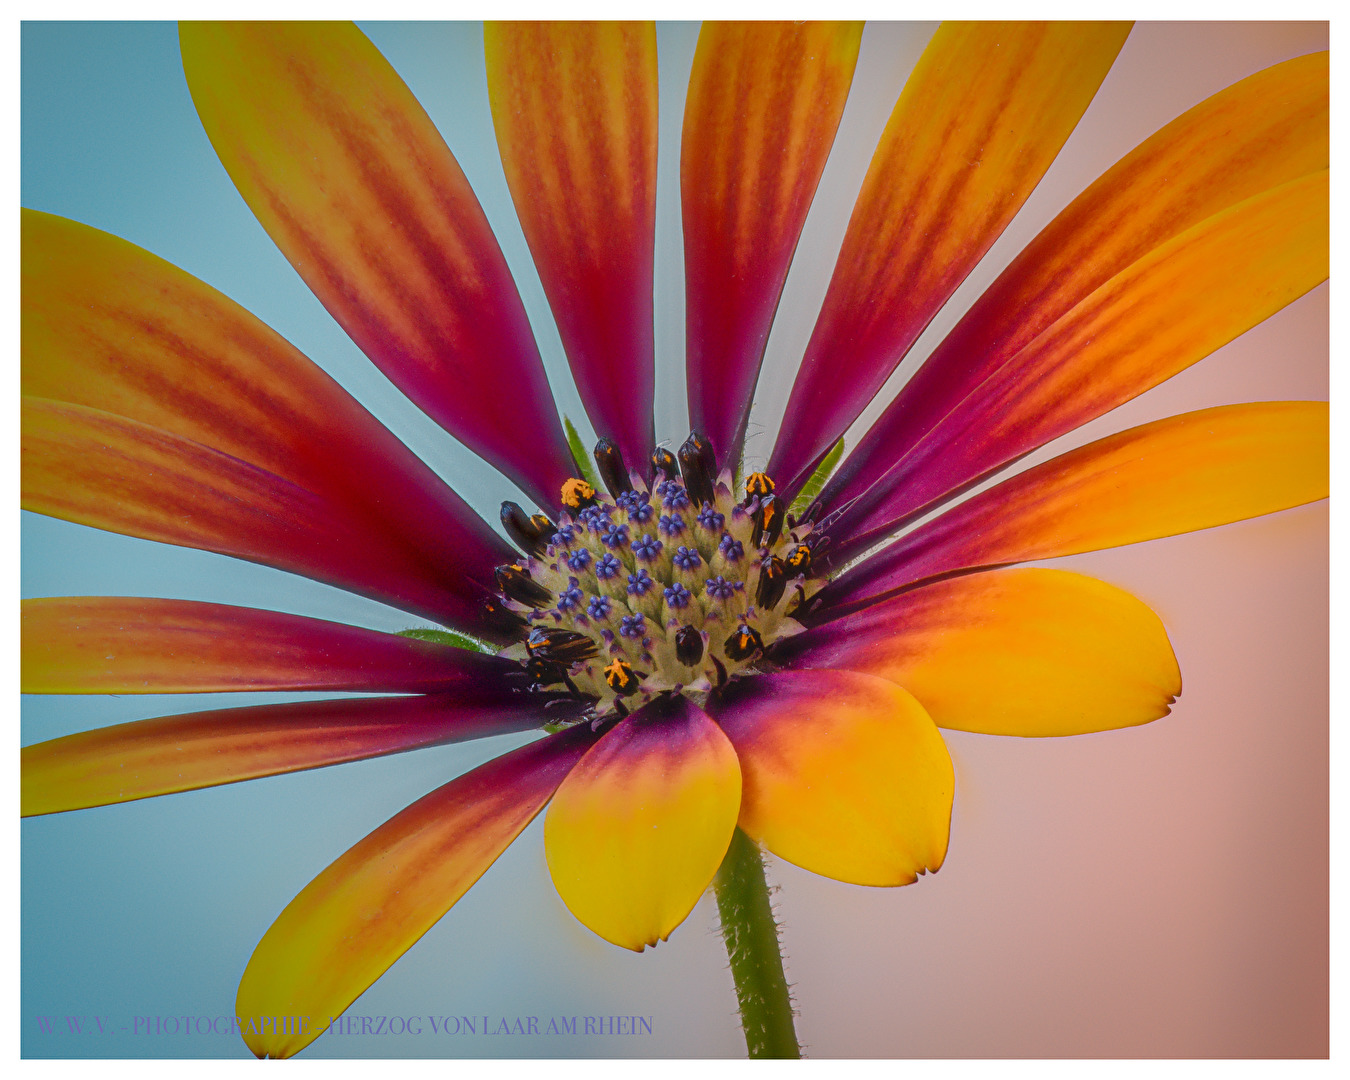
1160	891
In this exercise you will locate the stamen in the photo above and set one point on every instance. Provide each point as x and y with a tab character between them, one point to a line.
663	461
799	559
577	494
501	618
529	533
514	582
772	579
565	646
769	522
758	484
698	465
688	646
622	679
609	460
743	644
545	672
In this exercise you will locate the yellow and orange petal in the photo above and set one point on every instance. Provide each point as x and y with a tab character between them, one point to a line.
353	182
845	774
574	108
981	118
223	746
1187	472
369	907
1027	652
764	102
1250	138
639	827
1169	309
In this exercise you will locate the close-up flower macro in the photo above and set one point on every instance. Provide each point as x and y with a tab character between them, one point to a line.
630	540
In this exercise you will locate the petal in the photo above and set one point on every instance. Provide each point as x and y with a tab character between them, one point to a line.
369	907
574	105
980	120
1256	135
764	103
845	774
1187	472
148	356
1010	652
98	469
130	645
1163	313
639	827
197	750
349	176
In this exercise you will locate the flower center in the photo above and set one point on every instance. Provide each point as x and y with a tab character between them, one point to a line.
641	591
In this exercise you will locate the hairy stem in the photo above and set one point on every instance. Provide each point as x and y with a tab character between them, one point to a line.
751	937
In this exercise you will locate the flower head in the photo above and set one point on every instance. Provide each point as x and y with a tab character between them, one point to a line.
806	684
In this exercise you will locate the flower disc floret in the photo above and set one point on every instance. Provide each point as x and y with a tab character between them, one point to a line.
650	599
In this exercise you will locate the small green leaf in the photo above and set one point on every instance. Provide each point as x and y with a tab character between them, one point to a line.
446	637
583	460
813	486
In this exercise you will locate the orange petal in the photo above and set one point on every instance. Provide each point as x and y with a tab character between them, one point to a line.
349	176
369	907
981	118
110	327
764	103
1161	314
639	827
1256	135
196	750
1187	472
1010	652
845	774
574	106
130	645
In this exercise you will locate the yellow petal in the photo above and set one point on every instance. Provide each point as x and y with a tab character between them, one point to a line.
845	774
639	827
1010	652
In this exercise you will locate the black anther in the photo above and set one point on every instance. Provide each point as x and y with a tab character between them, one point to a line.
555	643
772	580
663	461
614	473
743	644
688	646
698	465
502	619
529	533
516	584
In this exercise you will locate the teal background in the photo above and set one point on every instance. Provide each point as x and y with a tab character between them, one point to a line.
1108	895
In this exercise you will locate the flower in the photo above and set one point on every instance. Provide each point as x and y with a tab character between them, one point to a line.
290	498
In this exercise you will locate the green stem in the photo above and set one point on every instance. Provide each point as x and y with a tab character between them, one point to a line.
751	937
